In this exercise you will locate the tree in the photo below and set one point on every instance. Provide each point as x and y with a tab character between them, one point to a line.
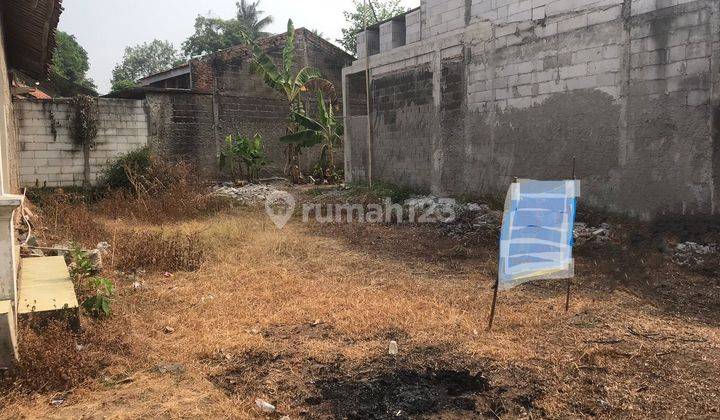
325	130
291	85
70	65
214	34
143	60
376	12
248	16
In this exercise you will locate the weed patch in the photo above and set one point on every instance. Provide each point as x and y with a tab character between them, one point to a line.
54	358
156	251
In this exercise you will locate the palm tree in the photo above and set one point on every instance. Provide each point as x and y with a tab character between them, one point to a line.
248	16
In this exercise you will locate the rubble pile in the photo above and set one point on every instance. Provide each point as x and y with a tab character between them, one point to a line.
250	194
455	219
584	233
692	254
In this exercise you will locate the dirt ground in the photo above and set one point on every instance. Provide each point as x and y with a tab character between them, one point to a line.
302	318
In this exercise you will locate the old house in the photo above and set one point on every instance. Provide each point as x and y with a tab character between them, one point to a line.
466	95
192	108
27	42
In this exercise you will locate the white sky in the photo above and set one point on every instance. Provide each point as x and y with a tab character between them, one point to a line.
105	27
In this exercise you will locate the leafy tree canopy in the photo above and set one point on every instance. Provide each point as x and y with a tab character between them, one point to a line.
143	60
70	64
214	34
376	11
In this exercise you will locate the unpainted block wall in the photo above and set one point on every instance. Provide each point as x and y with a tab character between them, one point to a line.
181	129
241	103
48	155
632	94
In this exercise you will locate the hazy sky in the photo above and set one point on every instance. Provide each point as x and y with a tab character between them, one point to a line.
105	27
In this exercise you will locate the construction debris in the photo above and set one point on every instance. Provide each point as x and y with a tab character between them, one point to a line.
393	348
585	233
692	254
264	406
172	368
250	194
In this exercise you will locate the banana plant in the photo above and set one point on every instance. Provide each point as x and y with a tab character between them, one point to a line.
241	150
291	85
325	130
281	78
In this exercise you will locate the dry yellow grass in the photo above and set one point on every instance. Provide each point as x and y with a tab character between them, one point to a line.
273	313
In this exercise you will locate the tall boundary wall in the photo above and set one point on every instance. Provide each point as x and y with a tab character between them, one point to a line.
48	155
483	91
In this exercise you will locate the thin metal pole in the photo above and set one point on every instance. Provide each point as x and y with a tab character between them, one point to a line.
567	293
494	301
367	93
495	291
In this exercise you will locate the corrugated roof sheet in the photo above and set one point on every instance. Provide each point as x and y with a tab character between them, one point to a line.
30	34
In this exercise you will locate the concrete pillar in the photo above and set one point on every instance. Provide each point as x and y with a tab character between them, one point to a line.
347	141
8	336
715	103
8	258
370	39
392	35
8	280
413	27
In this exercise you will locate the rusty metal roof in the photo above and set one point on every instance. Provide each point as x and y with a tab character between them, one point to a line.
30	34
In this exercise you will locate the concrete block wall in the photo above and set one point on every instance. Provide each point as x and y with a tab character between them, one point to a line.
48	155
413	27
438	17
631	93
370	38
229	99
441	16
392	35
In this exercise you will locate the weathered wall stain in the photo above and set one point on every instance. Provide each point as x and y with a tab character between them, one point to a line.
629	91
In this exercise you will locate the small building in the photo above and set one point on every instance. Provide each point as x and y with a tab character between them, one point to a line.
194	107
27	42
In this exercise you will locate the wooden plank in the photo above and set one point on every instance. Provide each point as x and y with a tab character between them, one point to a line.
45	285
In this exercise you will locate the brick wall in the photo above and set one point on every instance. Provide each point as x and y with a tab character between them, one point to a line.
48	155
182	129
227	98
630	91
398	99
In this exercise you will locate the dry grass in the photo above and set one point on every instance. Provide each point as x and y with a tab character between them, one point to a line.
153	250
280	315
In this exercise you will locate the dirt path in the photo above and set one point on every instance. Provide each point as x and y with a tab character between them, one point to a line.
302	318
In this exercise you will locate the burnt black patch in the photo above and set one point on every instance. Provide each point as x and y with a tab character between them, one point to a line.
403	393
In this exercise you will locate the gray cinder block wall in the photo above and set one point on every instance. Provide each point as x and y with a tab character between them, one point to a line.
484	91
48	155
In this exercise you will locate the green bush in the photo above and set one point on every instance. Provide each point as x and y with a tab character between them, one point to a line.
117	175
244	151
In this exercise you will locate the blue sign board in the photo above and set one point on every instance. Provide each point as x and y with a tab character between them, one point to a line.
537	234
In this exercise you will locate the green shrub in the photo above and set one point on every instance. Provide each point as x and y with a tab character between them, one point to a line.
380	190
120	173
244	151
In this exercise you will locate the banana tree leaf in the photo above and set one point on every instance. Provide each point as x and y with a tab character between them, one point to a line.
305	138
264	66
306	122
288	53
306	74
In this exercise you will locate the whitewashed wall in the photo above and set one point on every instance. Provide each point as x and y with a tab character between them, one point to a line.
48	155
